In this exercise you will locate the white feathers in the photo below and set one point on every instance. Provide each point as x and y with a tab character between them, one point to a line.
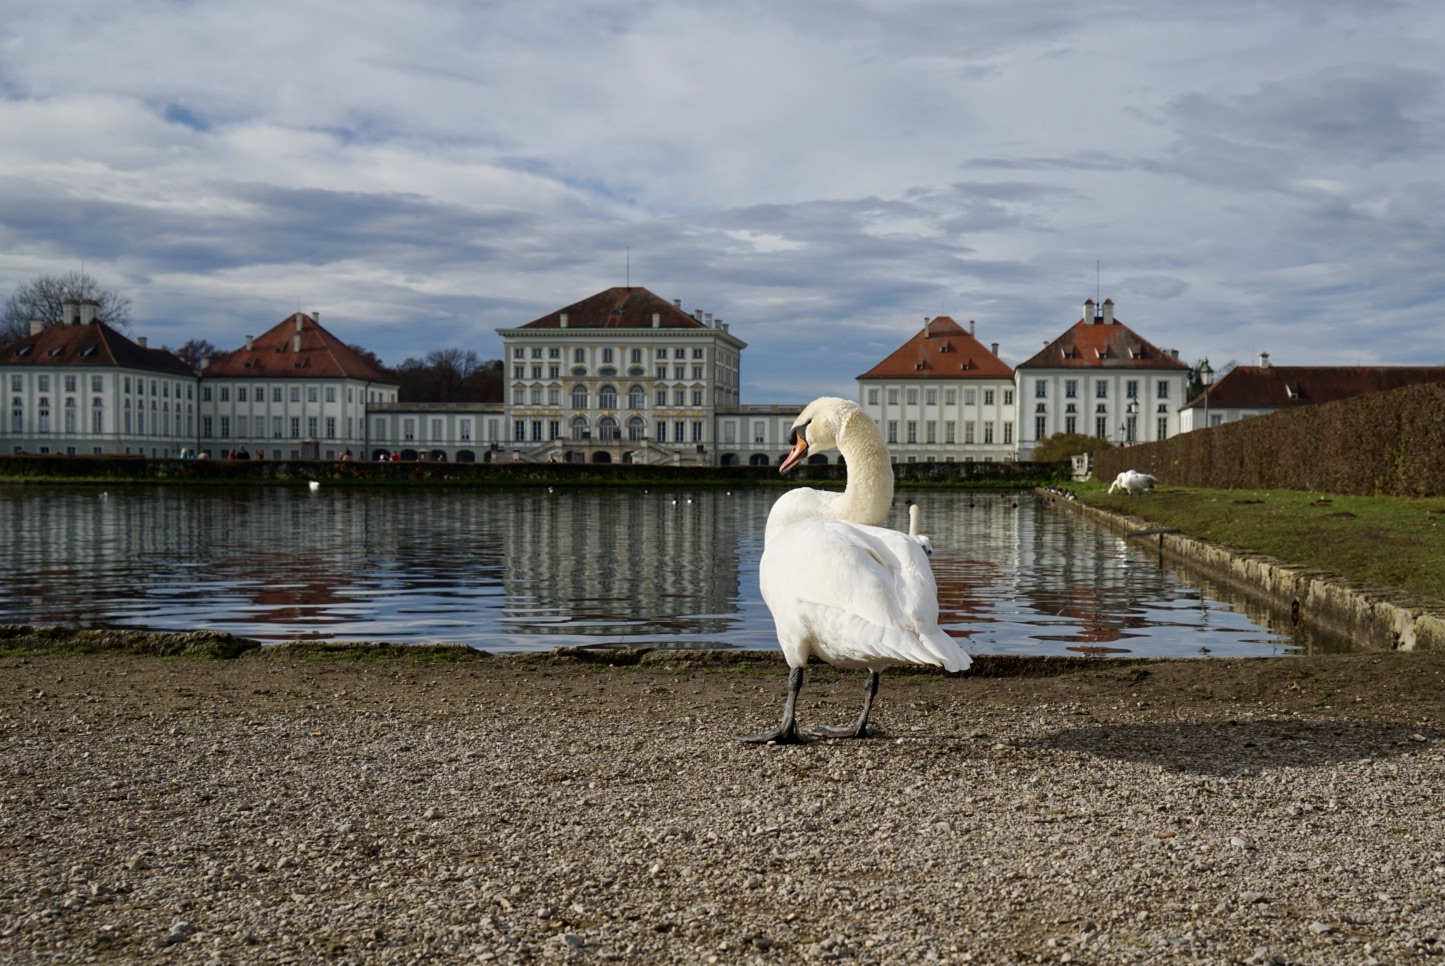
855	596
1133	482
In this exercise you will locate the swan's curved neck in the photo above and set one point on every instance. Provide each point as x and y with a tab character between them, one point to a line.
869	493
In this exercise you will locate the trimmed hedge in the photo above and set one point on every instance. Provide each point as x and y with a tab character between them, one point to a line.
1381	444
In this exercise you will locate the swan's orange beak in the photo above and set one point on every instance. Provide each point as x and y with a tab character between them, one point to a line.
800	449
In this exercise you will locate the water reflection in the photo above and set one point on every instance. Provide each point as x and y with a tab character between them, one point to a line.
509	570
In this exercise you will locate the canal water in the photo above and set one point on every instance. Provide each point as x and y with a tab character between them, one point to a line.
534	569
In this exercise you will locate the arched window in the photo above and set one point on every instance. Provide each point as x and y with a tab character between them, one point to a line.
636	398
636	428
607	397
579	397
607	429
579	428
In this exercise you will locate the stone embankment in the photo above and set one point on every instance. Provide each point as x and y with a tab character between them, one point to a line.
1366	617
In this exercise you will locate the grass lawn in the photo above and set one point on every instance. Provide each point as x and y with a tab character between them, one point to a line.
1390	541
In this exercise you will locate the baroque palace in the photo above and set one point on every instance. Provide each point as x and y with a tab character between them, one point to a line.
622	376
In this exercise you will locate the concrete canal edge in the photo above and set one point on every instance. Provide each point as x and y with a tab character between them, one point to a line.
1291	596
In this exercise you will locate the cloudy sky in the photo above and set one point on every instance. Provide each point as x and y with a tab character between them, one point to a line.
1238	176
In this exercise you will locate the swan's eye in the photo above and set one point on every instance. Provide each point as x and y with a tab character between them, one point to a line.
799	431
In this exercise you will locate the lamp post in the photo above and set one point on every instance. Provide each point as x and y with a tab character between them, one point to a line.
1206	379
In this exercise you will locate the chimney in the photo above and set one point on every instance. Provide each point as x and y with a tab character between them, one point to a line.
1174	353
296	342
141	342
37	326
657	320
972	326
677	303
88	310
707	319
1088	311
316	316
993	347
1108	311
205	362
562	320
299	317
697	315
248	343
1264	360
925	327
69	312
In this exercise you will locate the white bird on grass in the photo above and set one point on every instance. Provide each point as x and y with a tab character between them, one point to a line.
1133	482
851	594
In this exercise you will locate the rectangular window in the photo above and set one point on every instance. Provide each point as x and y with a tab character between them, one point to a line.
988	433
1131	389
1101	390
607	356
1040	427
276	396
311	394
1101	426
913	397
1008	397
930	397
408	429
968	433
206	426
519	430
225	394
311	422
436	429
872	397
240	394
970	397
1008	433
988	397
1162	429
96	383
661	430
1162	391
536	431
295	427
1041	389
1071	389
697	431
1071	425
464	430
296	394
243	427
948	432
276	427
912	431
225	427
893	430
331	394
758	432
893	397
679	429
930	430
697	397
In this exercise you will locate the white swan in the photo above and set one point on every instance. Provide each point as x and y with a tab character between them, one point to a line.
1133	482
850	594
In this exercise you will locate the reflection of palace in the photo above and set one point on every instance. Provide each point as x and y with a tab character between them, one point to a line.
654	550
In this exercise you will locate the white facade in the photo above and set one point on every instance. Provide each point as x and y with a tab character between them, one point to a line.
455	432
289	418
644	387
944	421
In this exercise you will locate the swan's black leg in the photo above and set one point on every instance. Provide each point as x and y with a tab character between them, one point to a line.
859	730
787	732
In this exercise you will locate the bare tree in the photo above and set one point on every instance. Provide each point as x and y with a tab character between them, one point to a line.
44	296
193	352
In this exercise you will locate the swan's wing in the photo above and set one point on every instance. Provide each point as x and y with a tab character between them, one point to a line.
855	596
796	505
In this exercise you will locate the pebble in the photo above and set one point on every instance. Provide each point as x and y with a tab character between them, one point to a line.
582	824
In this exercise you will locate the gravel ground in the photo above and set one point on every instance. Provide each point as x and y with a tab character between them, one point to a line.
283	808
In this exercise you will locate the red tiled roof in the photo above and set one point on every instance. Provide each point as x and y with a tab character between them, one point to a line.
619	308
1096	344
1274	387
92	344
274	354
941	350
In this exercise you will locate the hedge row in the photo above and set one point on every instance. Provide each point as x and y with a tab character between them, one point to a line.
1382	444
